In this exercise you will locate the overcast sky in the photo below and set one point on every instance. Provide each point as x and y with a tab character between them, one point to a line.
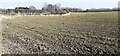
84	4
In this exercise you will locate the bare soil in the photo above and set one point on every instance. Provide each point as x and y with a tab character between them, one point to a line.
84	33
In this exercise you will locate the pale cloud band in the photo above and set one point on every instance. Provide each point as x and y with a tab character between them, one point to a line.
67	3
59	0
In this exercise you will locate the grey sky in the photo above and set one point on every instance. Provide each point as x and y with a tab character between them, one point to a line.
84	4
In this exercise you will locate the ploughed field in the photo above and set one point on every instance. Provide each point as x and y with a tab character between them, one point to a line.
84	33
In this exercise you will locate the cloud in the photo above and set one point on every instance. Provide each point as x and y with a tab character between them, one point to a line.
59	0
68	3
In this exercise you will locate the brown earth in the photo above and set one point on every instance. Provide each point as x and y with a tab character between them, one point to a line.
84	33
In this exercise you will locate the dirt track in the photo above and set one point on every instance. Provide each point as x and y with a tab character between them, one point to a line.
81	33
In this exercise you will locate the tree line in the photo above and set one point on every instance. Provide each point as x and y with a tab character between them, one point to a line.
46	10
51	9
93	10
